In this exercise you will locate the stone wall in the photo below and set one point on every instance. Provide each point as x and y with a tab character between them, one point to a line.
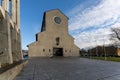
10	36
13	72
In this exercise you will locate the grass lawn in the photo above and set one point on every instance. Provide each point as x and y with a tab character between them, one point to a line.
115	59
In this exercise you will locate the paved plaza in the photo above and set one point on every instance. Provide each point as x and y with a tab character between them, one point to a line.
69	69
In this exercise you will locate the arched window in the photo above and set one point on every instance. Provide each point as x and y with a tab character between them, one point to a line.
57	41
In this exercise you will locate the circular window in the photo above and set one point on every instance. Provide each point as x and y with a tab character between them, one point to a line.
57	20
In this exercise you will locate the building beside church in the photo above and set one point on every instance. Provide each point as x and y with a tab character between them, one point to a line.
54	39
106	50
10	36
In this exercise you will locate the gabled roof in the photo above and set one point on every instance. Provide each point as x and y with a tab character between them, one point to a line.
57	10
43	28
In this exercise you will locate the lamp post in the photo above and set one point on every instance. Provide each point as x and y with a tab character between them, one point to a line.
104	51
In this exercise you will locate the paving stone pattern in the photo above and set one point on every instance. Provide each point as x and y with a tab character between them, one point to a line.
69	69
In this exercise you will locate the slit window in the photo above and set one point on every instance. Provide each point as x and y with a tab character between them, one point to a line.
49	50
57	41
43	50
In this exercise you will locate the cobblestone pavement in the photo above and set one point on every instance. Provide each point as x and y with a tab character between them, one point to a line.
69	69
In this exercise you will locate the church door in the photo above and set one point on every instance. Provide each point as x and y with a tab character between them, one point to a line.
58	51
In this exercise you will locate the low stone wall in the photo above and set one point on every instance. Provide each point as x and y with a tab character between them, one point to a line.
13	72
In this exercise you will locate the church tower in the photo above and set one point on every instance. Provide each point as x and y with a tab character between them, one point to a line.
54	39
10	36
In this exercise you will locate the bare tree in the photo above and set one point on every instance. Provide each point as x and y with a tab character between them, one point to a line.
115	36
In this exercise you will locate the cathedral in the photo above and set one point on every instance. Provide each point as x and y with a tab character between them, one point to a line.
54	39
10	36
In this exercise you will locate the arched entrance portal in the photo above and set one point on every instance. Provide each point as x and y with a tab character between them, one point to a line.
58	51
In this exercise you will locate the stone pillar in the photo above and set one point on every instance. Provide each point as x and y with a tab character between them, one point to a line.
5	5
13	10
17	37
13	42
18	14
18	28
5	40
19	46
8	38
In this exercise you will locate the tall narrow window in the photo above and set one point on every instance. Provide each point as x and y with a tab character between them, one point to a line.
36	37
49	50
10	8
43	50
57	41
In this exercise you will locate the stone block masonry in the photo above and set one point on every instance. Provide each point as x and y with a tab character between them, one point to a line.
10	36
54	39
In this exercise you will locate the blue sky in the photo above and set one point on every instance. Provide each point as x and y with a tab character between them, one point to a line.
89	20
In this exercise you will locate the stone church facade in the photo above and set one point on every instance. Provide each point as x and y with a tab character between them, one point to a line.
54	39
10	36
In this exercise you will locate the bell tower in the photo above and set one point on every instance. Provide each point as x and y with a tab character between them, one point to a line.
10	44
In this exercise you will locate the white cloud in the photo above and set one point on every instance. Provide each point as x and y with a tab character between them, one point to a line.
100	17
116	25
93	38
